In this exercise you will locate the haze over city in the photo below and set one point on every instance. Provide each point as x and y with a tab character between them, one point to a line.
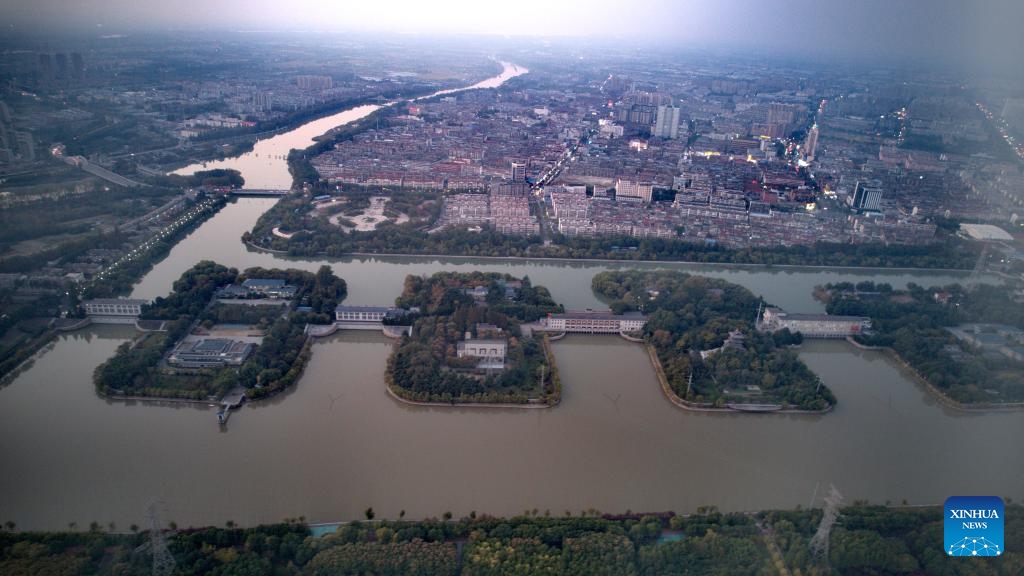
950	32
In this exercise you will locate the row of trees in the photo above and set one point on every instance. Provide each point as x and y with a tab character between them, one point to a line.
689	314
317	237
883	540
867	540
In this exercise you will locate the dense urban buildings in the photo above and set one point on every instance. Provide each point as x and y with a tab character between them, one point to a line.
694	156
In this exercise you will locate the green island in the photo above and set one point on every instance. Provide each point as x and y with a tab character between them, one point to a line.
315	230
967	343
468	344
702	333
865	540
221	330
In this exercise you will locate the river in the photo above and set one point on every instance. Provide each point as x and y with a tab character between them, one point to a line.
265	167
336	443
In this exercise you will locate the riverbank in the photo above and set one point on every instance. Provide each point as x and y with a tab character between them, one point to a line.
936	393
488	405
766	541
27	354
932	388
293	122
607	261
153	400
780	267
941	396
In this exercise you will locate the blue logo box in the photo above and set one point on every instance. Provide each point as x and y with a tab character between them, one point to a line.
974	526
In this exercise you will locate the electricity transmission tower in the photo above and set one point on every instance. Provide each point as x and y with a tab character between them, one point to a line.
979	266
819	543
163	562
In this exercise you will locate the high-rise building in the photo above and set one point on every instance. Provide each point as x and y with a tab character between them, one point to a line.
26	146
867	197
262	101
782	113
518	171
811	142
45	67
666	125
631	189
314	82
77	65
63	70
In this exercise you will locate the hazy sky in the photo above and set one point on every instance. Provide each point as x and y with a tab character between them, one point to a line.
965	30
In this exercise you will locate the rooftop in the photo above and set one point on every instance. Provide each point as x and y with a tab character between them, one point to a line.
369	309
121	301
484	342
985	232
824	318
262	282
599	315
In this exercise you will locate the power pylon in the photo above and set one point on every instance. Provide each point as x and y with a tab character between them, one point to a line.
819	543
163	561
979	265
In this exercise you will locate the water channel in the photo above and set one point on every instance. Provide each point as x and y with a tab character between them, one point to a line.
337	443
266	166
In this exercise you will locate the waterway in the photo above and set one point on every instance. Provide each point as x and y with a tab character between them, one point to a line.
337	443
265	167
377	280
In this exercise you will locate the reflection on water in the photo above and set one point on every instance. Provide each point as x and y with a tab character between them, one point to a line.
338	443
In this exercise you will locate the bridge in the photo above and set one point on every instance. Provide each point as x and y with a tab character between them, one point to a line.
101	172
255	192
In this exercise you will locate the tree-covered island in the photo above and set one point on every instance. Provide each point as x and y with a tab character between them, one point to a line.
702	331
468	344
967	343
220	329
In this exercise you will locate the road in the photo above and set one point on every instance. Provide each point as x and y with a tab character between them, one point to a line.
549	177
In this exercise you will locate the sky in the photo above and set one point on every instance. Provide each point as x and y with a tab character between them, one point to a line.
968	32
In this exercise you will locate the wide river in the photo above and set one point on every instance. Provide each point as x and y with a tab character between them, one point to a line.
337	443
